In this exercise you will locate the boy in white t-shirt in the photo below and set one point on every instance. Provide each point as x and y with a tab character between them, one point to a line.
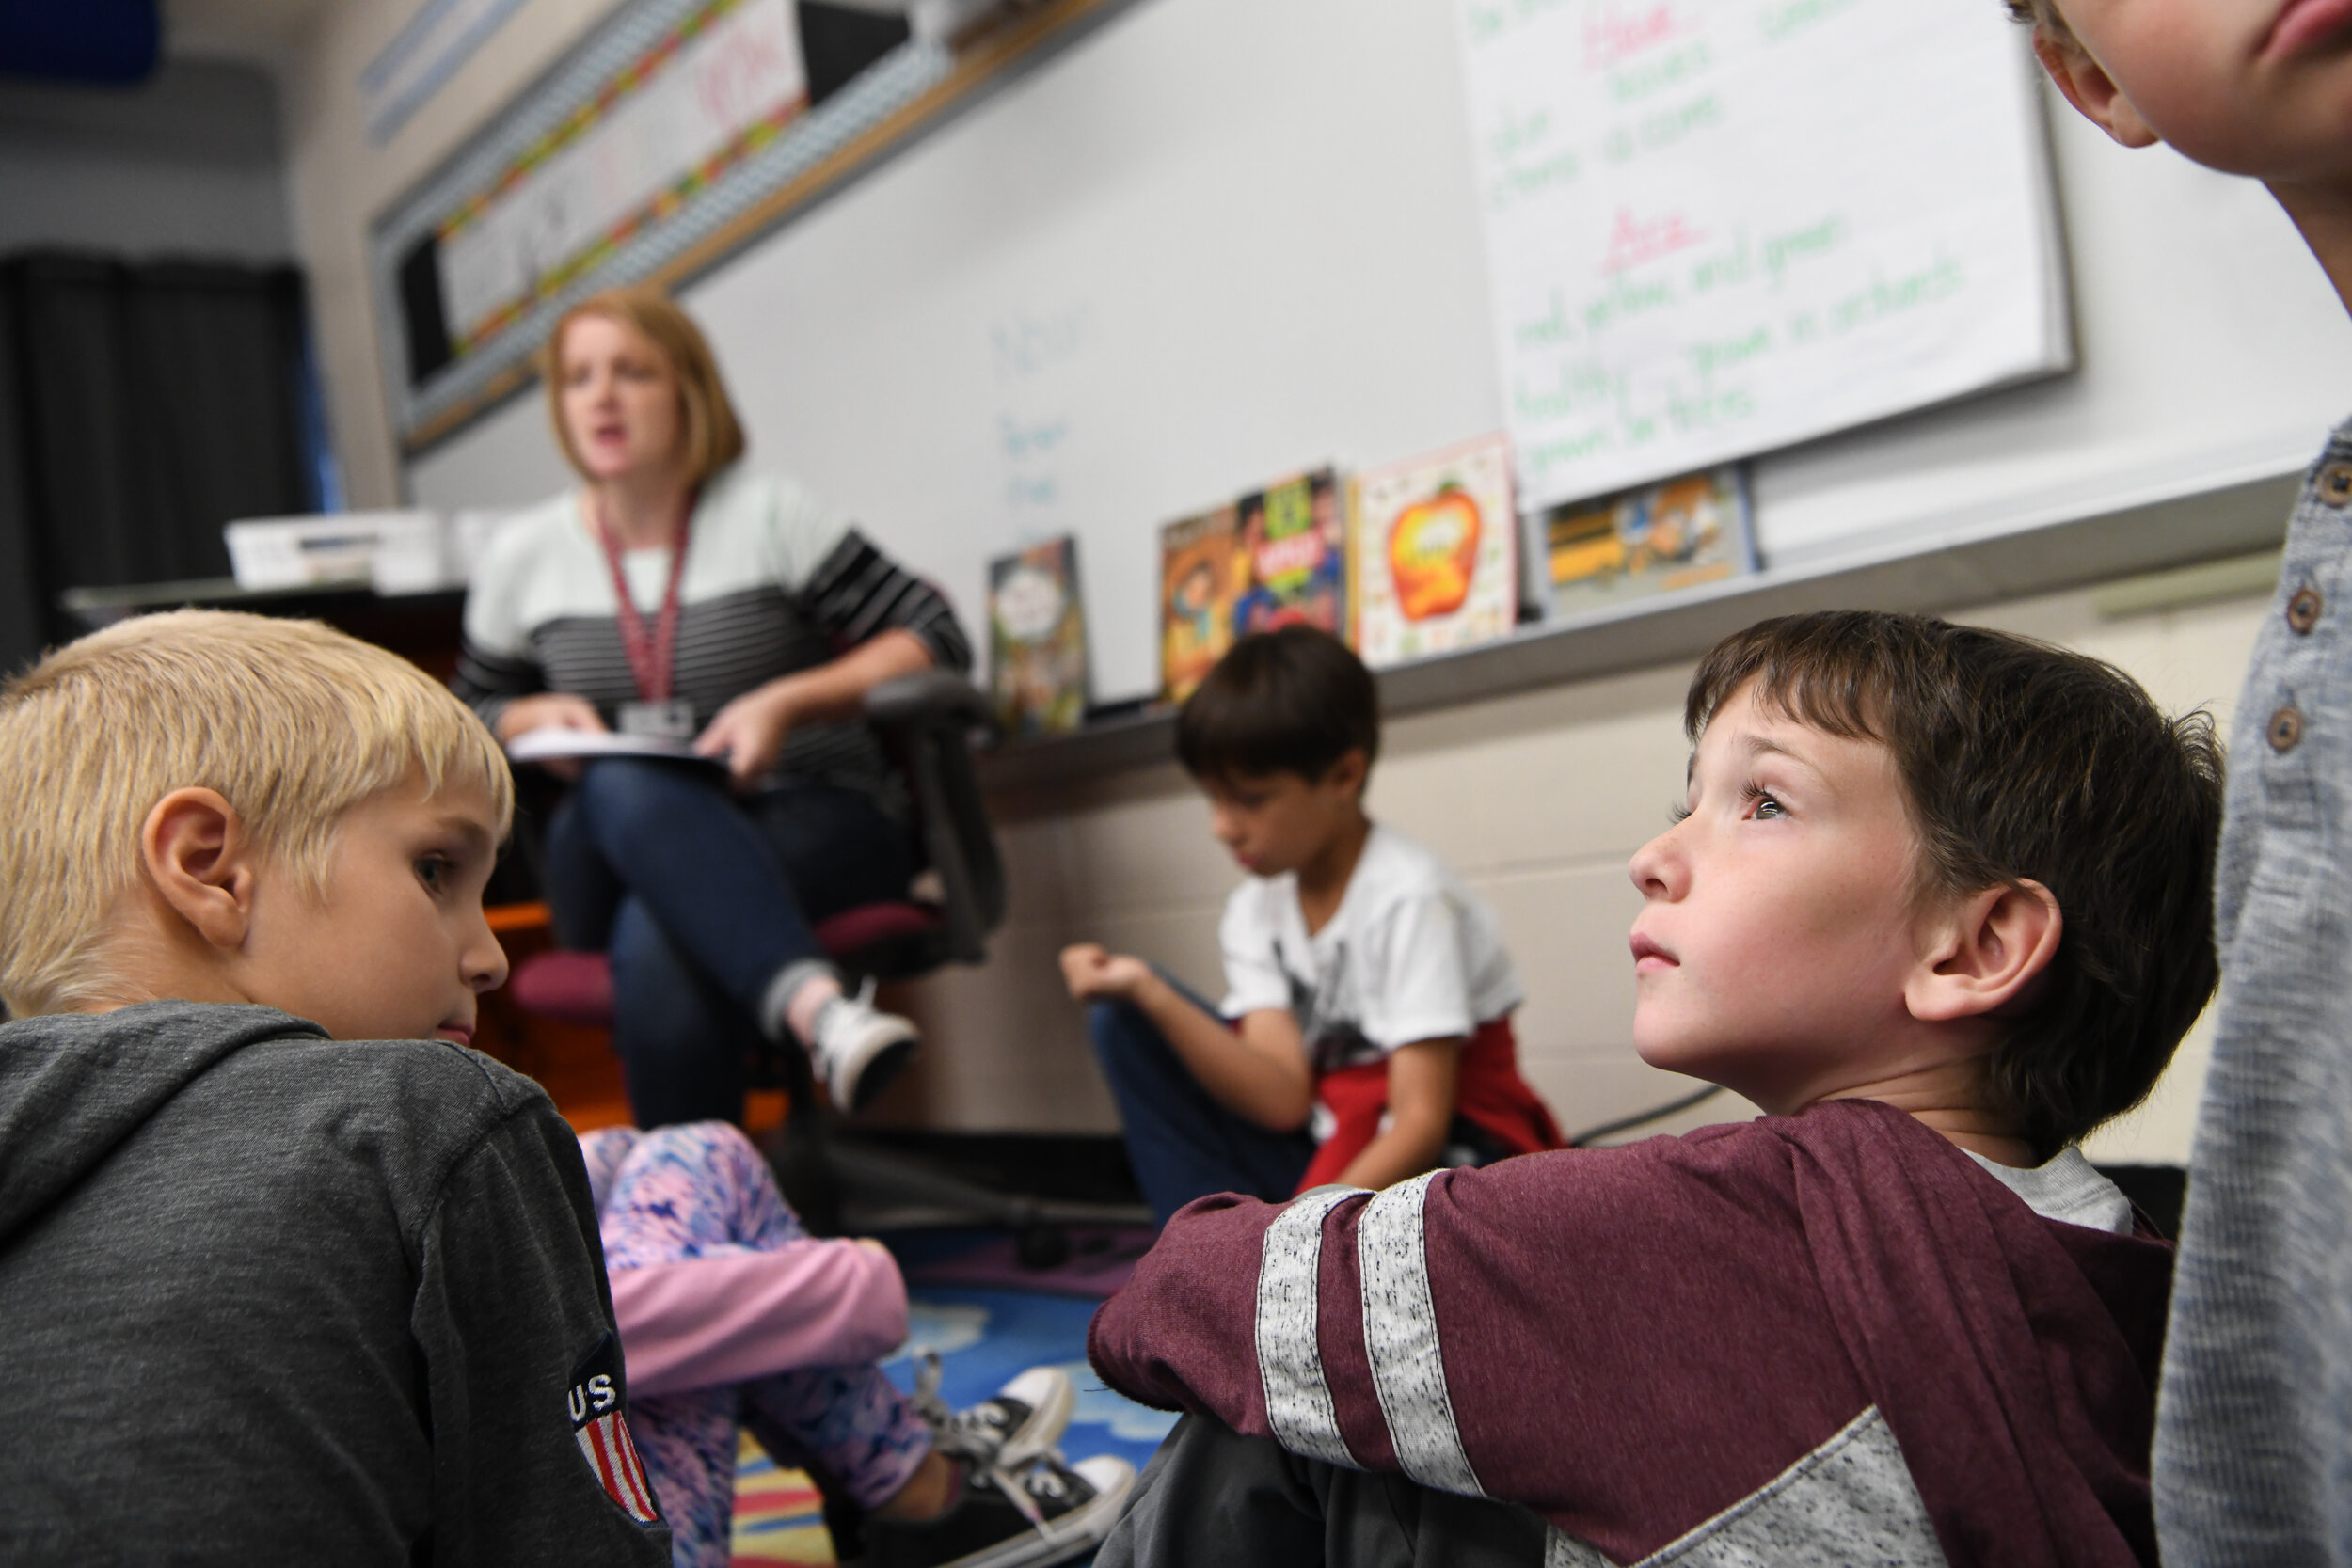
1366	1035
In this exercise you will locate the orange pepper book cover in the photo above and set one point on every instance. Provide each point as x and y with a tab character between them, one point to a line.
1435	553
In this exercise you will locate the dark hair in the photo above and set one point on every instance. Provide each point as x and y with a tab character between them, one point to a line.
1293	701
2026	761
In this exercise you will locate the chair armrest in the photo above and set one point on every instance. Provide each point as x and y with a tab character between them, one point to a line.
933	718
928	697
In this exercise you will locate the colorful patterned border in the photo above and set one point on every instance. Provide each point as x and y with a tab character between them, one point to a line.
772	172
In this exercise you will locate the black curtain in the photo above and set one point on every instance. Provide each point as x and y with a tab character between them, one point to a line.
142	406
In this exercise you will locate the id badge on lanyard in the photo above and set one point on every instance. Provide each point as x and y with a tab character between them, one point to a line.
652	651
671	720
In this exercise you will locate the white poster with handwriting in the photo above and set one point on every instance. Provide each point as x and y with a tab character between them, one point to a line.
1718	226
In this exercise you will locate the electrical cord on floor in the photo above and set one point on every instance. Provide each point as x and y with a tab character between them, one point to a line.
1642	1119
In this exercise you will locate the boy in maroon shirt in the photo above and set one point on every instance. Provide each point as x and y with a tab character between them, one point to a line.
1940	901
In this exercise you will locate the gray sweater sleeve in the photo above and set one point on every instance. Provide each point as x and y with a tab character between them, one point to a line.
2254	1413
515	1323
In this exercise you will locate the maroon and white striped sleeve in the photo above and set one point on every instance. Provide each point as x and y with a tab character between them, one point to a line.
1518	1332
1332	1296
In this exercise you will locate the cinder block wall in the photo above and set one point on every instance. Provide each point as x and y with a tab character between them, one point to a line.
1537	800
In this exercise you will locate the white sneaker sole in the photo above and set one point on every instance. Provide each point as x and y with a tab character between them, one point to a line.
865	1079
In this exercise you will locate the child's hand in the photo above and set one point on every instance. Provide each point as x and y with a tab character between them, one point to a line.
1092	971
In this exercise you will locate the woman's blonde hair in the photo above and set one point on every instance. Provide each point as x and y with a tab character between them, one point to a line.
293	723
713	436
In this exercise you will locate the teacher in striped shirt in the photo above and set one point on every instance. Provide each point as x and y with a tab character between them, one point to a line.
675	594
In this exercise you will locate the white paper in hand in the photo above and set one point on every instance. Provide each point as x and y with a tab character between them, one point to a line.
554	743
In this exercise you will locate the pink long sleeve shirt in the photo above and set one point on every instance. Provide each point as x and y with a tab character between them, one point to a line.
741	1315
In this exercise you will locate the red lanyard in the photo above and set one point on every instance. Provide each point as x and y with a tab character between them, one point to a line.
651	654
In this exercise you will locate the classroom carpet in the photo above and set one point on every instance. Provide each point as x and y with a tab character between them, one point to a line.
984	1336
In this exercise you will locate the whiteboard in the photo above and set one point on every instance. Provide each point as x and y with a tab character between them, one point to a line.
1716	229
1218	241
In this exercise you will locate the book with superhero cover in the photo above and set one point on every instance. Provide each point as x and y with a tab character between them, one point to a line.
1038	640
1434	548
1294	550
1201	573
1661	537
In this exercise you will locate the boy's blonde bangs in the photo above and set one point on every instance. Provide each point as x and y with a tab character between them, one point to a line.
291	722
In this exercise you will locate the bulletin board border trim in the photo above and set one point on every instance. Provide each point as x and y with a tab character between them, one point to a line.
917	89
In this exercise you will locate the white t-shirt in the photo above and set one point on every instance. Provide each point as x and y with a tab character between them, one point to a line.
2068	1188
1409	955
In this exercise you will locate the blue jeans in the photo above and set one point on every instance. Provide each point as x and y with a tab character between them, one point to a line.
703	897
1182	1142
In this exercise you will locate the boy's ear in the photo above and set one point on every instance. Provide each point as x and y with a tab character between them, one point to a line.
1990	947
200	859
2092	90
1350	772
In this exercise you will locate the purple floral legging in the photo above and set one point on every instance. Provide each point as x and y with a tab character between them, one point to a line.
701	1190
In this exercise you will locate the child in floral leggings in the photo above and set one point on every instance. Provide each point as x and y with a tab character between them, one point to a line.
694	1230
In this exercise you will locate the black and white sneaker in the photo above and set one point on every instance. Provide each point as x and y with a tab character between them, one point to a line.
857	1049
1023	1421
1044	1512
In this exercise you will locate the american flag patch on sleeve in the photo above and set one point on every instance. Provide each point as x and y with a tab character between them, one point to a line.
601	1429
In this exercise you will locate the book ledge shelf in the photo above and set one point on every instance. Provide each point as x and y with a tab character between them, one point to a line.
1973	568
2247	514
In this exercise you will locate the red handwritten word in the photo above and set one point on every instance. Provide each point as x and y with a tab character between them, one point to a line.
1613	37
739	84
1633	240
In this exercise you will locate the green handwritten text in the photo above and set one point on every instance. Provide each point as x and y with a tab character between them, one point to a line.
1546	455
1791	16
1705	410
1725	352
1632	84
1578	385
1549	330
1892	297
1623	298
1512	185
1781	251
1514	133
1725	269
1656	132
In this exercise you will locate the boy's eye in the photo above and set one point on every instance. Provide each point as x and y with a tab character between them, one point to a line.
1761	805
434	872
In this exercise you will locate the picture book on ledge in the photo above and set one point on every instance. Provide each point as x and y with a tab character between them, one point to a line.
1676	533
1434	546
1275	558
1038	640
